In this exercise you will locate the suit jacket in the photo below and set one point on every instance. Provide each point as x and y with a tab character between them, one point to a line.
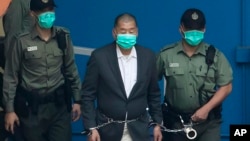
103	83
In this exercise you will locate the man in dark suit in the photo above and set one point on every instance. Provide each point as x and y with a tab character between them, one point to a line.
121	77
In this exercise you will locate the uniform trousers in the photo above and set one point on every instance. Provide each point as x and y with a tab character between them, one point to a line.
51	123
3	132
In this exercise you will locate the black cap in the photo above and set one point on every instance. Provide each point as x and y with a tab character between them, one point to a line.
39	5
193	19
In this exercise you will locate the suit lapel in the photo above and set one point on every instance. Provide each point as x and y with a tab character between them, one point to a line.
140	65
114	65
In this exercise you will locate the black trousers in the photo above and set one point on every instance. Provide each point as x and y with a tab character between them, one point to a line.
51	123
206	131
3	133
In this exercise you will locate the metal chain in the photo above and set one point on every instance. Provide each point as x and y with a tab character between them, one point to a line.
190	124
187	128
85	132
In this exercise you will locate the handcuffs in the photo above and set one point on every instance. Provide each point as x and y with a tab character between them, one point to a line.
187	128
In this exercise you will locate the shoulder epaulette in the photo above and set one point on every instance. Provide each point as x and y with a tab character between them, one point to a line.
62	28
168	47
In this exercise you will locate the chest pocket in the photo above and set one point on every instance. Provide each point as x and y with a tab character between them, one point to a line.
33	58
175	77
202	73
58	52
32	55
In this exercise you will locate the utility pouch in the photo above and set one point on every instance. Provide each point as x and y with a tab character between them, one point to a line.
20	103
68	95
215	113
33	102
168	118
25	102
60	96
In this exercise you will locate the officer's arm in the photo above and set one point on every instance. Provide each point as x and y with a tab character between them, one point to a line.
218	97
12	69
72	71
224	77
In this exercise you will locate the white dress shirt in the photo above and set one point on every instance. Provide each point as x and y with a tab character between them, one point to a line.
128	68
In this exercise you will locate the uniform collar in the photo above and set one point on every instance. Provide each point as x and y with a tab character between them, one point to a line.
179	47
34	32
201	49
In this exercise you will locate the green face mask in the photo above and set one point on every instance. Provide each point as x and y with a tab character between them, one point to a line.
126	41
46	19
193	37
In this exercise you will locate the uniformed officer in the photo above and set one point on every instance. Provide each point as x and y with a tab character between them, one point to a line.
194	90
37	72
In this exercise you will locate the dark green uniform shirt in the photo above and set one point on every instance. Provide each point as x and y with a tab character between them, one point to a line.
39	63
184	76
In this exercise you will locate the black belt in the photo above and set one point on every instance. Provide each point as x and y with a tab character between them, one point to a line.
42	99
25	100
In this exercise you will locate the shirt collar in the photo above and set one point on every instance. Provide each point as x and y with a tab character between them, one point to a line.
132	53
34	32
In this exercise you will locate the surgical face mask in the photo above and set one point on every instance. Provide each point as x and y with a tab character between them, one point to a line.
126	41
46	19
193	37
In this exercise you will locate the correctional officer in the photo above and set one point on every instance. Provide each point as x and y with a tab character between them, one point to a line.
38	71
195	89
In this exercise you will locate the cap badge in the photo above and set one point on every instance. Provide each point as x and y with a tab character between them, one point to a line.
195	16
45	1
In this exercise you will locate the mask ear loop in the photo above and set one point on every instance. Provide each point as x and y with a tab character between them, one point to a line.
181	30
34	16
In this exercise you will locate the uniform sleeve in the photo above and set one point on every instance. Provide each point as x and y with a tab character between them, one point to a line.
72	71
27	21
10	80
12	23
224	73
159	66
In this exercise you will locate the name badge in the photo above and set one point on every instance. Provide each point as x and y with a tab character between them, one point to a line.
173	65
32	48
